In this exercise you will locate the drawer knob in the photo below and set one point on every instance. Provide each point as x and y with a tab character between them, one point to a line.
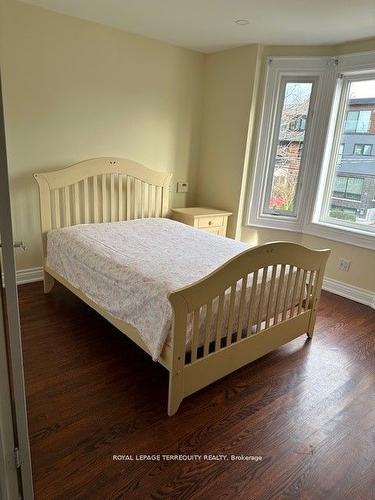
210	222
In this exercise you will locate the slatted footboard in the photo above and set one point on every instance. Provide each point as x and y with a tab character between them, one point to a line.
256	302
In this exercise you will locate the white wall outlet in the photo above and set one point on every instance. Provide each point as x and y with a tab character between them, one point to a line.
182	187
344	265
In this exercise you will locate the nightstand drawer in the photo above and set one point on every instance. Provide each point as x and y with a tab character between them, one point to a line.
219	231
210	221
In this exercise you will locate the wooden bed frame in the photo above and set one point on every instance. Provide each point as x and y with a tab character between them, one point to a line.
113	189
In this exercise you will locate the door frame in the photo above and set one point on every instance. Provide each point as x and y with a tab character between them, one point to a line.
9	486
12	360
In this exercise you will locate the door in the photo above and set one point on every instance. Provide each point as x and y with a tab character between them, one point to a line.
15	464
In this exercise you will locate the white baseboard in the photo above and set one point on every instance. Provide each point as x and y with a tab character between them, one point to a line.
337	287
24	276
350	292
29	275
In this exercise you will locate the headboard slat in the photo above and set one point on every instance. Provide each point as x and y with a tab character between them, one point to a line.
67	206
86	200
57	207
120	204
112	181
158	202
104	197
77	208
95	196
128	197
152	201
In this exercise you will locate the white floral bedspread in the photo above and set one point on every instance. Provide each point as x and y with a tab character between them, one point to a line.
129	268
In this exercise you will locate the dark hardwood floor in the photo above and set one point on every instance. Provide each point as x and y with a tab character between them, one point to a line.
308	409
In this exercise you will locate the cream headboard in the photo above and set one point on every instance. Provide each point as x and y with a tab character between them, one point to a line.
101	190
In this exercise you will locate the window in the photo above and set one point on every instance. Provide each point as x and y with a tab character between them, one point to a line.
285	143
357	122
348	187
315	163
286	161
350	172
362	149
298	123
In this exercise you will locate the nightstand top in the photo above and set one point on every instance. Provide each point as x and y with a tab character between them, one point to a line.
200	211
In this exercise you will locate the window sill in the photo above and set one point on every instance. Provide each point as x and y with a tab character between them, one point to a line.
277	223
324	230
341	234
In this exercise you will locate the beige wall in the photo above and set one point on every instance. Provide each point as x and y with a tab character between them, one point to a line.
362	268
228	83
228	123
75	90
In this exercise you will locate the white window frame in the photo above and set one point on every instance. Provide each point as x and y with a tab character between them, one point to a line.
317	179
279	69
352	66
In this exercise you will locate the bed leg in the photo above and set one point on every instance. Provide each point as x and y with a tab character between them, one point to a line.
175	393
310	329
49	281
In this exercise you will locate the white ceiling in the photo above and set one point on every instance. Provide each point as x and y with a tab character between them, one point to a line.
208	25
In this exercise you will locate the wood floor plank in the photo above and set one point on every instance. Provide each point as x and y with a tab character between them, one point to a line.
307	408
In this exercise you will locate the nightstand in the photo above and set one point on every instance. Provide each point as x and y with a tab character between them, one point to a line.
207	219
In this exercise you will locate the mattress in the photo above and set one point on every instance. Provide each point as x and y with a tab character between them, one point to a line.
129	268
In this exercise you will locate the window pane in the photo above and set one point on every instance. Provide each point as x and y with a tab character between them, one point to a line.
354	185
353	193
363	123
340	184
351	121
286	165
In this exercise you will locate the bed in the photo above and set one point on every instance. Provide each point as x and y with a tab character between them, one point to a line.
202	305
